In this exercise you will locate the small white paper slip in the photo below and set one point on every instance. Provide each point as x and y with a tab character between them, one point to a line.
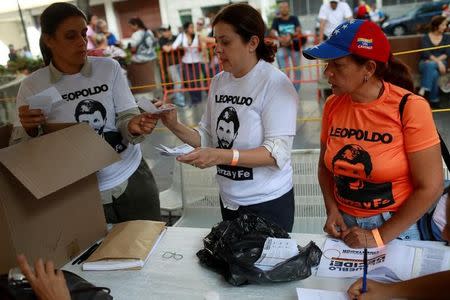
176	151
45	100
314	294
276	251
148	106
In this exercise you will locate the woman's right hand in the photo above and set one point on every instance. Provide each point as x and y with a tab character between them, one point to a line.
30	118
169	118
335	224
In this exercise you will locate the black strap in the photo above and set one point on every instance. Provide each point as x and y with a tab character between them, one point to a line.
444	149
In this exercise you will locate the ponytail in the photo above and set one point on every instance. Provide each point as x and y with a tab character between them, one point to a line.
396	73
266	51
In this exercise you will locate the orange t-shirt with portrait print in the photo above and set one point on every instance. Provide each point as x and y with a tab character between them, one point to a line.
367	146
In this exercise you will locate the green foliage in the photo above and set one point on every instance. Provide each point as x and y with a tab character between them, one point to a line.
23	64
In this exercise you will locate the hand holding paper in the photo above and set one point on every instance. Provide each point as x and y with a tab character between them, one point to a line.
176	151
45	100
149	107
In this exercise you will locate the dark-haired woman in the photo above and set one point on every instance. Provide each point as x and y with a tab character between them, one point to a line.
93	90
379	173
192	65
433	63
249	124
142	42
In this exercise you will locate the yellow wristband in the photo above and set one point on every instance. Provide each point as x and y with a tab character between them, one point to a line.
377	237
235	159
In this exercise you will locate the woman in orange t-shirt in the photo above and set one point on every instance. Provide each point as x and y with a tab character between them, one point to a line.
378	173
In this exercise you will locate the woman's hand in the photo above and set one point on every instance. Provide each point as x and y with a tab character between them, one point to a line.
47	283
335	224
356	237
169	118
30	118
375	290
205	157
142	124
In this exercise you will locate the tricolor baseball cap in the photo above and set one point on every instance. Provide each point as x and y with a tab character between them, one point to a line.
360	37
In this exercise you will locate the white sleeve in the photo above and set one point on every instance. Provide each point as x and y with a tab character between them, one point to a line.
279	110
136	38
280	148
322	12
347	10
122	97
204	126
177	42
23	93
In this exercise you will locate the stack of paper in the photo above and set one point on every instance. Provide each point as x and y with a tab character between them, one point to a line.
276	251
176	151
149	107
127	246
391	263
309	294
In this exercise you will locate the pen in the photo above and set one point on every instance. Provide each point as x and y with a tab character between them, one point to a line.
364	280
86	254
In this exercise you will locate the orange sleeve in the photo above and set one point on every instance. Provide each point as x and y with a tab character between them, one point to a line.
419	129
325	115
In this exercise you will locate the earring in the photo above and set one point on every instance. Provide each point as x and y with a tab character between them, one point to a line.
366	78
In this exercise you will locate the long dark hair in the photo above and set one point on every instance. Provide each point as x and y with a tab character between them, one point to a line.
436	21
50	19
394	71
247	22
136	21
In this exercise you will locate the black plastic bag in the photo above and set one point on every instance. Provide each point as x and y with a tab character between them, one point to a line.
232	248
79	288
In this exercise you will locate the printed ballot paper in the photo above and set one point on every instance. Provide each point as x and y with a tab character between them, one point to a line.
149	107
276	251
391	263
46	100
176	151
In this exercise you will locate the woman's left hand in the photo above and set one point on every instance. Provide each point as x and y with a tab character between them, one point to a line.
356	237
203	157
142	124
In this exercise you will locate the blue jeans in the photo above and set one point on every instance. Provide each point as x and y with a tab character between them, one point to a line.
286	57
175	75
430	78
369	223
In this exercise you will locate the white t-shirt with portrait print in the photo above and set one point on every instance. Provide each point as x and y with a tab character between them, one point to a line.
95	99
240	114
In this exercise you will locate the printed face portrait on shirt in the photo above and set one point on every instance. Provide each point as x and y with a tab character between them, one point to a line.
227	128
352	165
93	113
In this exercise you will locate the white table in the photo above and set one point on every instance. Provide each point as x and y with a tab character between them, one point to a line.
186	279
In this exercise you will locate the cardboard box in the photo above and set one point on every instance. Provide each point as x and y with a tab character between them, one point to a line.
50	205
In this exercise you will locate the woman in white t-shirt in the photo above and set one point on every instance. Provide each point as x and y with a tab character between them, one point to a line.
93	90
192	65
249	123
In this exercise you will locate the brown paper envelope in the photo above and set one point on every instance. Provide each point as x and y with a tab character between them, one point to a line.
132	239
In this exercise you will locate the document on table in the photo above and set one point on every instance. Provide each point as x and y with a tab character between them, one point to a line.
314	294
176	151
148	106
276	251
434	260
390	263
46	100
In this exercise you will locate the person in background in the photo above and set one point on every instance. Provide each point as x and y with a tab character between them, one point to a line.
433	63
93	91
332	14
172	62
287	29
432	286
379	173
362	11
12	55
192	60
91	28
142	42
102	28
249	123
